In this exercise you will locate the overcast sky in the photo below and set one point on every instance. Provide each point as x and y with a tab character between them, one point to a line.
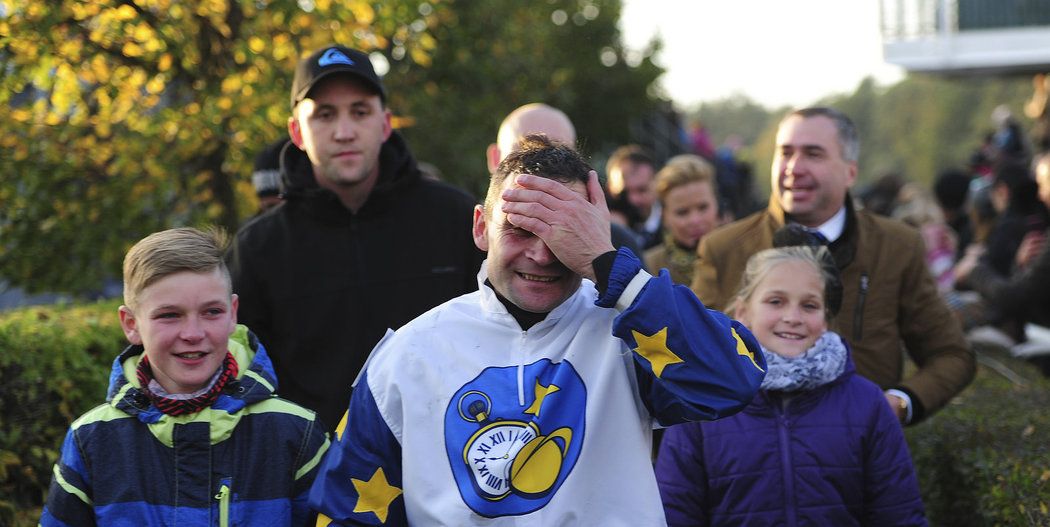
776	52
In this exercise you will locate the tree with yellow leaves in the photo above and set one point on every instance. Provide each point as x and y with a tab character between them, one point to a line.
130	116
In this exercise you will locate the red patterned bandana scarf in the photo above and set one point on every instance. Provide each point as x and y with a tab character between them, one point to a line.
174	406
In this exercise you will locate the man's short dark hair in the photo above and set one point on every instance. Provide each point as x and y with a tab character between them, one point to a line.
849	139
634	154
951	188
538	155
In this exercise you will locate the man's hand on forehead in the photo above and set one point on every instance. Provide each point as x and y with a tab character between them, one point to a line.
574	226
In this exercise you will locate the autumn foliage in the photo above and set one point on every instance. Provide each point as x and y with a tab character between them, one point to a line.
126	117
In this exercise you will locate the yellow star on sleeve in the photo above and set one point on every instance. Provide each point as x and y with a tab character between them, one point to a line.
541	393
342	425
741	349
654	349
375	495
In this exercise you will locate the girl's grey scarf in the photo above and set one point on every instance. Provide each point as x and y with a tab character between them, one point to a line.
819	365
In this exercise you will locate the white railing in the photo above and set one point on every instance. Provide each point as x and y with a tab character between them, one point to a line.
912	19
917	19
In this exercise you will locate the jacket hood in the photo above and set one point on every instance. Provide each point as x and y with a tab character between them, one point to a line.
255	381
397	169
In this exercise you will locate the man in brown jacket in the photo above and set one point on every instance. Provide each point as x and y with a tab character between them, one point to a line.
890	302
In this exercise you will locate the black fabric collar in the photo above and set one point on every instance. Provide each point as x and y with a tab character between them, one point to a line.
844	249
525	319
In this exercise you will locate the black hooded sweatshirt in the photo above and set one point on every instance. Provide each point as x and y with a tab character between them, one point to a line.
320	285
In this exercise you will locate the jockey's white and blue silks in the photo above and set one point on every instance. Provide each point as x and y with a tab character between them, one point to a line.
462	418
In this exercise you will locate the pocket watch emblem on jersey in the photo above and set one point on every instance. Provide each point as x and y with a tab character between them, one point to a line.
510	455
514	456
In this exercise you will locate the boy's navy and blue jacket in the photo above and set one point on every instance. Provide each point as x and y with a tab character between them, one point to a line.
248	459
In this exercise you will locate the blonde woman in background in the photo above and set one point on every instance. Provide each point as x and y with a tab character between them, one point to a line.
688	195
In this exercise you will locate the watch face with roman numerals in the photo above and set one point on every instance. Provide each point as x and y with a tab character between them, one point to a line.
513	435
491	452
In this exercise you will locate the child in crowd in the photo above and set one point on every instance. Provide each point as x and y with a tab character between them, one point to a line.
191	432
819	445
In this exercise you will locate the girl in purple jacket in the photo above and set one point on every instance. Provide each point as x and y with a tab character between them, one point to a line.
819	445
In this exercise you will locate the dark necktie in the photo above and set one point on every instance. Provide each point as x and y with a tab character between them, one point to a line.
823	240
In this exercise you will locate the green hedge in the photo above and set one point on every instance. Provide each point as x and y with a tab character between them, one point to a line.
54	366
983	460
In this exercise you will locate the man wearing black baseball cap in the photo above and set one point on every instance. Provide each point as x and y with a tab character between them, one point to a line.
331	60
360	244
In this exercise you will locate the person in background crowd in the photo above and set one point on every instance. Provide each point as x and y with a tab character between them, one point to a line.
733	179
952	190
532	118
881	196
890	300
539	118
1024	295
699	140
688	197
631	171
818	445
266	175
916	208
1019	211
1008	139
979	201
687	189
532	400
1038	110
361	244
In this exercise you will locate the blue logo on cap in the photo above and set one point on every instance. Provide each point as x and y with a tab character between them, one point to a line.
334	56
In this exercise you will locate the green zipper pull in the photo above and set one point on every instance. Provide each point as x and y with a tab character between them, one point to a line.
224	505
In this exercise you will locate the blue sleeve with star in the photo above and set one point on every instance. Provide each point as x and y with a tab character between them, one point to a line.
692	363
359	481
